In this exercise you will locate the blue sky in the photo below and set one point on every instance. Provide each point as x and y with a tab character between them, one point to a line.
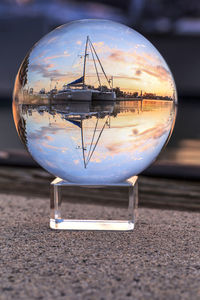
126	55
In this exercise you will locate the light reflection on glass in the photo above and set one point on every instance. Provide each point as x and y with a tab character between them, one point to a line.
94	101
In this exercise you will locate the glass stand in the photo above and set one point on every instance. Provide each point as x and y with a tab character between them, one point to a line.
60	198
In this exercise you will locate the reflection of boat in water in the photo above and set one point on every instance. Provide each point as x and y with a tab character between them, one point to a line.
78	120
78	90
85	121
77	114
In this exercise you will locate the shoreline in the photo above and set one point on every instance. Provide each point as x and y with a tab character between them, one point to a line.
141	99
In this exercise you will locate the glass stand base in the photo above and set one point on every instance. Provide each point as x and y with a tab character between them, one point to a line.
92	225
59	208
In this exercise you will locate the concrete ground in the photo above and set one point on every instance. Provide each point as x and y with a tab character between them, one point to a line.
158	260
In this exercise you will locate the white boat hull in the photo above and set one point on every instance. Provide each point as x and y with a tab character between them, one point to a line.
103	96
85	95
76	95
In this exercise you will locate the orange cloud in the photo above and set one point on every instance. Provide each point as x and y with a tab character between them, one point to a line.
117	55
65	54
49	138
146	62
50	66
159	72
98	44
45	145
127	77
137	142
45	72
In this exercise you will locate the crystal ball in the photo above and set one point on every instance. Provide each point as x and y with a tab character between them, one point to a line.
94	102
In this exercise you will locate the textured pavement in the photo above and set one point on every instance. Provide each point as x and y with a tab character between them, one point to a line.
158	260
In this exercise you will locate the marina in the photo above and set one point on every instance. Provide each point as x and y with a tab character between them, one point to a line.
79	90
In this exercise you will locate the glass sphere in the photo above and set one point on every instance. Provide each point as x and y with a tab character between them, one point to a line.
94	102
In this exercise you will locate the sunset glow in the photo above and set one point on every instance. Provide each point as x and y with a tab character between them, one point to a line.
132	60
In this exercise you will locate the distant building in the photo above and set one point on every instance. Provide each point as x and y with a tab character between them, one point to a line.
31	91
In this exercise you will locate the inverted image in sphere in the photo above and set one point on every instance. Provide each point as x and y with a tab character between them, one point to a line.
94	102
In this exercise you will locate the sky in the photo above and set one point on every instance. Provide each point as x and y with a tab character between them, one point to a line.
132	60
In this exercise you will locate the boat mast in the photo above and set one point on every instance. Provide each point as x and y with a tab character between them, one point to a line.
86	54
83	146
95	63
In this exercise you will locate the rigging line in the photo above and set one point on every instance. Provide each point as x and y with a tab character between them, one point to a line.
83	147
109	121
92	141
100	63
95	63
86	45
97	141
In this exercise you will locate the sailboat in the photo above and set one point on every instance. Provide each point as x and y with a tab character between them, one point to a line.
79	90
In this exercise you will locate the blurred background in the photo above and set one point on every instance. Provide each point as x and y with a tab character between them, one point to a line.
172	26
